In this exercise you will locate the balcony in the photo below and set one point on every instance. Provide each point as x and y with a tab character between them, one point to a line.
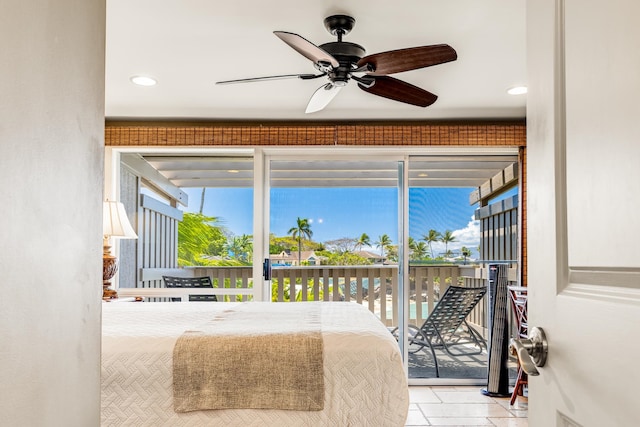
375	286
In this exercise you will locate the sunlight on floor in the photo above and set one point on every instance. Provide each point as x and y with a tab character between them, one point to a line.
463	406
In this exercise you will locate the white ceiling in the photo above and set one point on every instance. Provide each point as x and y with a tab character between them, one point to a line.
188	45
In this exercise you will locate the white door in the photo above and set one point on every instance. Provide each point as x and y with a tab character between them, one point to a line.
583	202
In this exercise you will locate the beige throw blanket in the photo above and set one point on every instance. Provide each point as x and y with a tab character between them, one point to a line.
256	355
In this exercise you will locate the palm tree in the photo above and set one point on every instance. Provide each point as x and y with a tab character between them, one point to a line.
412	247
383	242
363	240
198	235
447	238
466	253
419	250
247	246
234	246
433	236
412	243
302	229
241	247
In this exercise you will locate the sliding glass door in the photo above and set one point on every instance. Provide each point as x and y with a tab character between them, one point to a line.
333	231
444	241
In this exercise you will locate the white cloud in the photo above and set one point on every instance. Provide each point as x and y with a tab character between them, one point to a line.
468	236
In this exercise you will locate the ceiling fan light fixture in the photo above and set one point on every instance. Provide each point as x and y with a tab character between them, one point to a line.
517	90
143	80
321	97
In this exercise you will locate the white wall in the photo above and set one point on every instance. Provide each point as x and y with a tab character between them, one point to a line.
51	169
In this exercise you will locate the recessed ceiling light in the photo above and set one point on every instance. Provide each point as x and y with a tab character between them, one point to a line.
517	90
423	175
143	80
233	171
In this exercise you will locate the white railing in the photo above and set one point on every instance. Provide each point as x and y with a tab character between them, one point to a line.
375	286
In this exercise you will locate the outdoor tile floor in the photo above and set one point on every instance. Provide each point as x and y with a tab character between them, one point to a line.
463	406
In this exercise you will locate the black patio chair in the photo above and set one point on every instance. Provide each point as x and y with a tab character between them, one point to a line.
446	327
190	282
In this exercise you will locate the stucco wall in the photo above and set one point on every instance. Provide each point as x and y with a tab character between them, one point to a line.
51	169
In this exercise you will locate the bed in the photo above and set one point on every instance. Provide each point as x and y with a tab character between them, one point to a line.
364	380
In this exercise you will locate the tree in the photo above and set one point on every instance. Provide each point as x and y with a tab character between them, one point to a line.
199	235
383	242
342	245
433	236
279	244
363	240
392	253
412	243
419	251
240	247
344	258
447	238
247	247
466	253
302	229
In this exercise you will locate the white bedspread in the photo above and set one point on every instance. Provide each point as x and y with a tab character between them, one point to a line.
364	379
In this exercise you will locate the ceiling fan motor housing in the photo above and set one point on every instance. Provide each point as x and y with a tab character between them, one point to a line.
339	25
347	54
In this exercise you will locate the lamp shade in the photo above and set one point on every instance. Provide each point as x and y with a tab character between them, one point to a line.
115	222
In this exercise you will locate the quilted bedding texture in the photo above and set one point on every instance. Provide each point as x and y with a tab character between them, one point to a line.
365	384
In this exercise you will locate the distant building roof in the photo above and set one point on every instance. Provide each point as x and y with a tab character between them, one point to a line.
371	255
292	256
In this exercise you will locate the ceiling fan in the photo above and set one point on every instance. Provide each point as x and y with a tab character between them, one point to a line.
340	61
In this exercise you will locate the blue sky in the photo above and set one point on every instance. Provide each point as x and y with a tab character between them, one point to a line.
347	212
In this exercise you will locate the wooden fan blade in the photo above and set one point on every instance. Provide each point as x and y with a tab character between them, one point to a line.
397	90
307	49
322	97
396	61
266	78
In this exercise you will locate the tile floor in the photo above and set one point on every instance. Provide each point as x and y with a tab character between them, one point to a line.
463	406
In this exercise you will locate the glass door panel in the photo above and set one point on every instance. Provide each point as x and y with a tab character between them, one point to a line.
334	232
215	237
444	238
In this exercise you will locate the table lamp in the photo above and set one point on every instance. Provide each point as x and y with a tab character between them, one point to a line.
114	224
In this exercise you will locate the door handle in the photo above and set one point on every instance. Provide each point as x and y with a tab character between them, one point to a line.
266	269
532	351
